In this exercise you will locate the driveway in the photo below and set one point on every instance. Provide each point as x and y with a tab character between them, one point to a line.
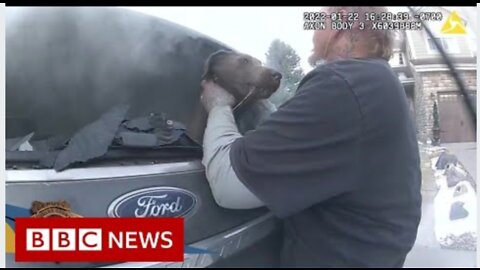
427	251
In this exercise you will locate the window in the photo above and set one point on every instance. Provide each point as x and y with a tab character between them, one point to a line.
443	42
449	44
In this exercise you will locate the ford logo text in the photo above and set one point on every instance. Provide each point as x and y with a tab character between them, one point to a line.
153	202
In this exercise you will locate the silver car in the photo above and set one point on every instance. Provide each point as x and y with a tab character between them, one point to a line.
67	67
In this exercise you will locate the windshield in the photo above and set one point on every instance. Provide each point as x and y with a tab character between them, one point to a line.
80	66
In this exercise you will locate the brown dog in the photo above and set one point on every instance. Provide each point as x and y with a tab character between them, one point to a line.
248	81
242	75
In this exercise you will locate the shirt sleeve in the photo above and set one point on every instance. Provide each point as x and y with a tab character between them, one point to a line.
227	190
308	151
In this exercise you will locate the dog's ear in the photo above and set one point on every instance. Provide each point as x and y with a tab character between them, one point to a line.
207	70
208	73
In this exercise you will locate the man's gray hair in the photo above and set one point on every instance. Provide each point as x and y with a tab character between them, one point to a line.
380	41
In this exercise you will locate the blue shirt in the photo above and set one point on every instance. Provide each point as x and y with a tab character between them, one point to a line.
339	163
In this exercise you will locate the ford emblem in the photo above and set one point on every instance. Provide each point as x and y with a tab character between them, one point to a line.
153	202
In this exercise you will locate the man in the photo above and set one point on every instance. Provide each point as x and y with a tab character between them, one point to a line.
338	162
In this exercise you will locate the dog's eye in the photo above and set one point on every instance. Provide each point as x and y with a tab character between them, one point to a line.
245	60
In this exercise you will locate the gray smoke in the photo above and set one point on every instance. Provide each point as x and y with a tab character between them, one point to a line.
67	66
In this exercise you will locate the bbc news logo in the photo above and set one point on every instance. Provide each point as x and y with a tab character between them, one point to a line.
99	239
64	239
91	239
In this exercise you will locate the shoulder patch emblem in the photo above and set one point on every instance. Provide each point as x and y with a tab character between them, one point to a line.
52	209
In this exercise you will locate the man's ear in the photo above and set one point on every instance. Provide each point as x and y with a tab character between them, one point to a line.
337	35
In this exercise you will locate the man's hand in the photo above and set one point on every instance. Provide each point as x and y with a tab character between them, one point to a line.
213	95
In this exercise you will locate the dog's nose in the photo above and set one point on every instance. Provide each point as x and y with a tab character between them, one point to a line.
276	76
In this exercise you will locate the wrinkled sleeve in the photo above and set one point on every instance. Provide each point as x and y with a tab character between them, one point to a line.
228	191
307	152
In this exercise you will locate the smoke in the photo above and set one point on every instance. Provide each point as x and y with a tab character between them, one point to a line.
67	66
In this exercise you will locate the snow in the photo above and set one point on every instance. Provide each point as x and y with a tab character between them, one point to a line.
461	233
434	161
433	149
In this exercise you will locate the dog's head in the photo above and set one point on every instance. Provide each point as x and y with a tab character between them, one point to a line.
241	75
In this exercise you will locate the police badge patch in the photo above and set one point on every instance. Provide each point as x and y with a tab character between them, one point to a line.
52	209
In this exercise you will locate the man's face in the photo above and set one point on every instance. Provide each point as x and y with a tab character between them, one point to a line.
322	41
